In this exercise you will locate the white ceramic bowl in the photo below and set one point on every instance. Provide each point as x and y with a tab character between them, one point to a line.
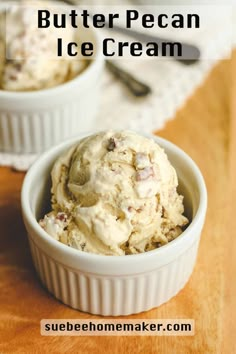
31	122
113	285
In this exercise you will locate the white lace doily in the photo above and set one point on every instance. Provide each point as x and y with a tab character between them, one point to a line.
171	82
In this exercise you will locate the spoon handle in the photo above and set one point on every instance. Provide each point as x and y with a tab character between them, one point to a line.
136	87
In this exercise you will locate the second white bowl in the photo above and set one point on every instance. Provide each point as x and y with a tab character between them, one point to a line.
31	122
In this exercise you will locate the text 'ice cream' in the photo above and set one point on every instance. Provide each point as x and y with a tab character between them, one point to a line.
114	193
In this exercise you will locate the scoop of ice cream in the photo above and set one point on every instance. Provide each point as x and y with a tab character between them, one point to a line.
118	192
31	62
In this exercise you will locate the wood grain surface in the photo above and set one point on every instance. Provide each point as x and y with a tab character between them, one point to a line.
206	130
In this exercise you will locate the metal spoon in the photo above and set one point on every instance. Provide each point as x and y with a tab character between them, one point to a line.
135	86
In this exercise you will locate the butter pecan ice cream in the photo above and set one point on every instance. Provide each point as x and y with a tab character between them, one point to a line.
114	193
28	55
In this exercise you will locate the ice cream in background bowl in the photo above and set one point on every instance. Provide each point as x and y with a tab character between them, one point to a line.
43	99
31	63
114	221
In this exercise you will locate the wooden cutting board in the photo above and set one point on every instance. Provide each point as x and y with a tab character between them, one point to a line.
204	128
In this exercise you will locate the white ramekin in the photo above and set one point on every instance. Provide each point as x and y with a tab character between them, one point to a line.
113	285
31	122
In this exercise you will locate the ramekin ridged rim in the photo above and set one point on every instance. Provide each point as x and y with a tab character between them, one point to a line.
177	244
